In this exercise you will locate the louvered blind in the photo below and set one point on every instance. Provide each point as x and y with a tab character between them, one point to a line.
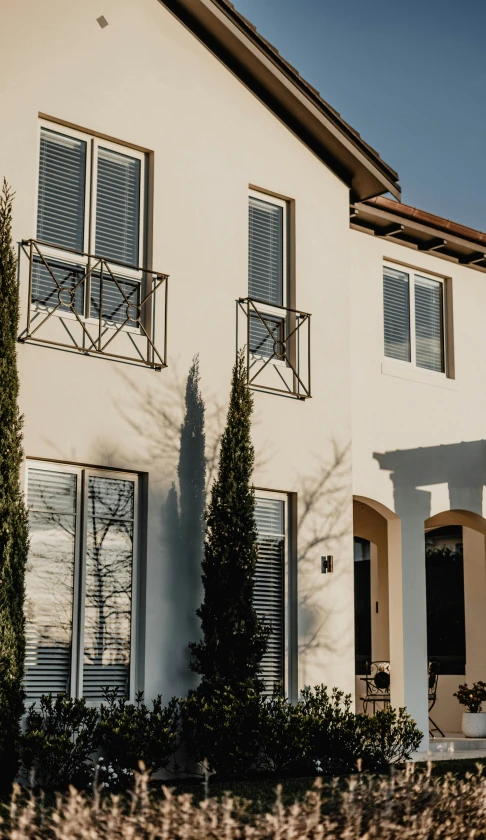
396	301
45	290
49	582
116	299
264	332
265	252
109	556
118	207
269	585
62	182
429	332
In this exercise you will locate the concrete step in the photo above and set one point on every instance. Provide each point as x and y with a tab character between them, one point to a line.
451	747
453	743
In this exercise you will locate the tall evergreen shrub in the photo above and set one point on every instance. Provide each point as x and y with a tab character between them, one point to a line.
234	640
14	541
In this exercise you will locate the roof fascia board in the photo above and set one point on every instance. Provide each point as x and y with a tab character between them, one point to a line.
281	94
385	215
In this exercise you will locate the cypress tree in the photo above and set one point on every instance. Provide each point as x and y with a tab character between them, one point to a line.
14	540
234	640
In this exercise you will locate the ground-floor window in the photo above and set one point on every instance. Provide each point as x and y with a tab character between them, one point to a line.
80	581
270	583
446	630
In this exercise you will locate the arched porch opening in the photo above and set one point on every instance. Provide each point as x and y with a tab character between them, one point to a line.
455	559
372	633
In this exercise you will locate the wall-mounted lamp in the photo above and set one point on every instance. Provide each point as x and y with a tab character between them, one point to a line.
327	564
102	21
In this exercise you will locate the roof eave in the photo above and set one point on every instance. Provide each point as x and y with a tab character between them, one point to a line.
246	54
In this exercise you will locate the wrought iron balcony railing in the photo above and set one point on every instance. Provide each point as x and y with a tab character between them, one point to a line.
277	342
94	305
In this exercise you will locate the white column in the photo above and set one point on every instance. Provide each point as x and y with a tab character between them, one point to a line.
407	606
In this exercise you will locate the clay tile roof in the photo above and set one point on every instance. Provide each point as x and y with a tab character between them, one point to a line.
405	211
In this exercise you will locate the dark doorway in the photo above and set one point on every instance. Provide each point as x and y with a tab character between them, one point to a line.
444	568
362	605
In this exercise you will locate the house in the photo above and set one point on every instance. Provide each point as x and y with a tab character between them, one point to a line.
182	191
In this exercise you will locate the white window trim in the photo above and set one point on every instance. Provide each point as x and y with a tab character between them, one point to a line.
92	145
288	647
412	364
79	571
268	307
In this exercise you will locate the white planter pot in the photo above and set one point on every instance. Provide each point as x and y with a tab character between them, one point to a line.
474	724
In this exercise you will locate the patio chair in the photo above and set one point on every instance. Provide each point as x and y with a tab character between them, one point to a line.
377	685
434	668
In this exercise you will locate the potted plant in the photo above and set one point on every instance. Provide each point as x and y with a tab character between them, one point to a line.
474	720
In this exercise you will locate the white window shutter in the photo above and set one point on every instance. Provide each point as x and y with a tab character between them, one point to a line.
265	252
118	207
429	330
269	585
49	582
61	198
396	304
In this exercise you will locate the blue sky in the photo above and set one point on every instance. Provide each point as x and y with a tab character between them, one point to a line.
410	77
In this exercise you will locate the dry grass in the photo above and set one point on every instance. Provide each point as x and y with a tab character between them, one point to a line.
409	805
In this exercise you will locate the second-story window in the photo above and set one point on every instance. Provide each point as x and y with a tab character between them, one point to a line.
267	272
413	305
90	201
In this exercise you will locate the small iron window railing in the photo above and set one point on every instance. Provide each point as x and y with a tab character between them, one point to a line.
94	305
277	346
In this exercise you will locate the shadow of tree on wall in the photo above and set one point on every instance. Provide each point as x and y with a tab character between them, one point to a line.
159	418
324	525
183	521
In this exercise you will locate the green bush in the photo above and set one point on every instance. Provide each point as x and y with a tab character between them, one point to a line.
128	733
389	737
242	732
333	744
222	727
59	738
284	738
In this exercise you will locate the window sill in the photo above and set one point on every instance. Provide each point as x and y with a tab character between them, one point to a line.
413	374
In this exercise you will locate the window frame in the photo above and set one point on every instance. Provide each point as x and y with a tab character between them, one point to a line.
412	273
83	473
288	593
88	255
269	308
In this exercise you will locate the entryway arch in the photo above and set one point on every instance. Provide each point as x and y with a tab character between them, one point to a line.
447	711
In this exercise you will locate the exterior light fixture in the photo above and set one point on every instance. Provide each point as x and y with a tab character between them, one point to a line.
102	21
327	564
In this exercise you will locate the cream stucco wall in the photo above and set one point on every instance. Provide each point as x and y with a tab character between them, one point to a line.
147	81
419	445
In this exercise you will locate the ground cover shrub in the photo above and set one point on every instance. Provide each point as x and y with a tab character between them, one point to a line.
128	733
222	727
244	732
59	739
228	732
332	730
389	737
406	805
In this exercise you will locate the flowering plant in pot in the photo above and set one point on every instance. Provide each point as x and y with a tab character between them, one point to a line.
474	720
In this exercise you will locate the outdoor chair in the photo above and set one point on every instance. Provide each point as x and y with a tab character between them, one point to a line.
434	668
377	683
